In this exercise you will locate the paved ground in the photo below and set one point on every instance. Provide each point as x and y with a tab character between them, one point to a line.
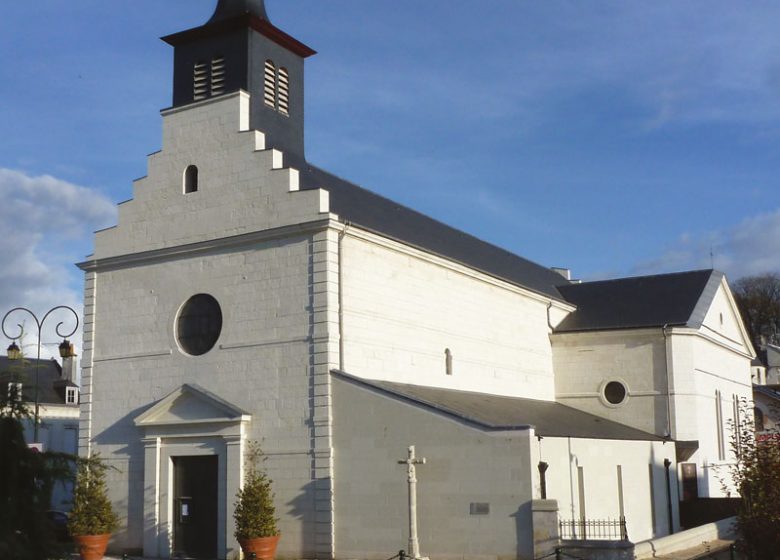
716	550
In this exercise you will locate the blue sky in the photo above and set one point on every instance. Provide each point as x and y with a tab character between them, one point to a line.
610	137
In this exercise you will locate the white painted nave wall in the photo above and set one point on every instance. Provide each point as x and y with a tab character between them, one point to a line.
403	309
465	465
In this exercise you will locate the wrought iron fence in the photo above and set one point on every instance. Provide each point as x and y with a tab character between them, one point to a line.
594	529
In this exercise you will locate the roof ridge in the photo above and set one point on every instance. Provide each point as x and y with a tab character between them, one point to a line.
452	229
642	276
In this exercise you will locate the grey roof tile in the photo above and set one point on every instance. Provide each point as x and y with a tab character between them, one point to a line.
640	302
378	214
493	412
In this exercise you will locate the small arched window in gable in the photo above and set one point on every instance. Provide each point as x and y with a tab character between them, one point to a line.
448	361
190	179
269	90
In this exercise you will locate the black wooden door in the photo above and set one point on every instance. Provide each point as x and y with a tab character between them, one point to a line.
195	507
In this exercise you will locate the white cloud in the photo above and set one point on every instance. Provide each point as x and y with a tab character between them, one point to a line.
751	247
46	225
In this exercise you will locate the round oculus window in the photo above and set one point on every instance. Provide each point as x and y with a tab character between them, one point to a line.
615	392
199	324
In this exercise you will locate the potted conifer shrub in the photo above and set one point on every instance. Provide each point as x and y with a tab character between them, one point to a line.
92	519
255	514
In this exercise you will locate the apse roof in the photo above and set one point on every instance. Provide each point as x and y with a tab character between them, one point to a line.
493	412
678	299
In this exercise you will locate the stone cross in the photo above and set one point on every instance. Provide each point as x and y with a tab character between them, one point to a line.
411	465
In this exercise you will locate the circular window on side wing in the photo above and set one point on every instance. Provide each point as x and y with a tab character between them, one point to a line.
614	392
199	325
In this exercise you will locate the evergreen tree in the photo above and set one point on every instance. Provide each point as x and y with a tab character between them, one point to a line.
92	513
255	513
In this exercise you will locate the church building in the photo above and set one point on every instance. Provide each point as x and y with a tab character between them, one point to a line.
247	295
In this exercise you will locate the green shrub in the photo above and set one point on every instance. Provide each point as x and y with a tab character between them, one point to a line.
255	513
756	475
92	513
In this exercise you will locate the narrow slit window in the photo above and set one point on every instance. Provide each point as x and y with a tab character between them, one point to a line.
284	91
737	423
191	180
719	427
269	91
217	76
201	81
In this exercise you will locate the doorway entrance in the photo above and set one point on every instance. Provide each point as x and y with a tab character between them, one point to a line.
195	527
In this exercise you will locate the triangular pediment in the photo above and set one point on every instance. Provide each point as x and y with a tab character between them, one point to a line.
721	318
191	404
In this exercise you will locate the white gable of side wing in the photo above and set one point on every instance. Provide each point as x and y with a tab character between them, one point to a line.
723	323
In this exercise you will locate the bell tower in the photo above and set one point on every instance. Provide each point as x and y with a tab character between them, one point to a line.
240	49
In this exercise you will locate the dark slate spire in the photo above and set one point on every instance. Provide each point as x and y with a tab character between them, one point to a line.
238	49
227	9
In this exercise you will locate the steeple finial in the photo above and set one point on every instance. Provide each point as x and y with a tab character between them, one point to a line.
227	9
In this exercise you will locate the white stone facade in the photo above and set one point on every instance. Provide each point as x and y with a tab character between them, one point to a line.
274	286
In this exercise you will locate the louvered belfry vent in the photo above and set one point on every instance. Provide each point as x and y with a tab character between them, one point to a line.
284	91
209	78
269	90
217	76
276	87
201	81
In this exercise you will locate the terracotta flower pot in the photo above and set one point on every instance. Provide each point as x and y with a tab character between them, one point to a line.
264	548
92	547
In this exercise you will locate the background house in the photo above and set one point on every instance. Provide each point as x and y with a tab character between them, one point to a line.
58	398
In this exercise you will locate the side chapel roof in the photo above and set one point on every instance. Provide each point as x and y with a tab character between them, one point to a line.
678	299
494	412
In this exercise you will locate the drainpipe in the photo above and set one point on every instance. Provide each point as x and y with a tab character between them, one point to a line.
549	324
667	464
668	383
342	234
543	478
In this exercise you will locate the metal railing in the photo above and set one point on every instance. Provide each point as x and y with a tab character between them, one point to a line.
594	529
